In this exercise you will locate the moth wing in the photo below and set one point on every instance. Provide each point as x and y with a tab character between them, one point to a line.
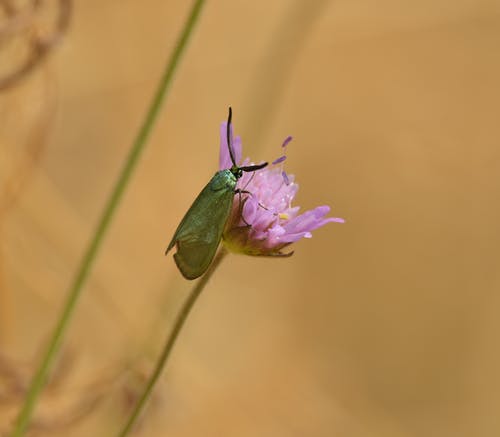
194	257
200	231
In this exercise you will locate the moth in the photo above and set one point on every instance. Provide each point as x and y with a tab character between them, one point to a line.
199	233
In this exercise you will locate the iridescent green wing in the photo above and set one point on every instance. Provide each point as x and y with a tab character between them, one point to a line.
200	231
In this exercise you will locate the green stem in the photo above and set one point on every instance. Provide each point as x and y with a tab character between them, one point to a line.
171	338
41	375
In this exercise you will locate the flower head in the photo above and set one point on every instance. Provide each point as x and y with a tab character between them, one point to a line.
263	220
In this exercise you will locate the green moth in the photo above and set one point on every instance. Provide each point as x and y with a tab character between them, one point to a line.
200	231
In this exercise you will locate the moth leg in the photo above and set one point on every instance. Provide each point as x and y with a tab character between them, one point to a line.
251	194
241	203
243	191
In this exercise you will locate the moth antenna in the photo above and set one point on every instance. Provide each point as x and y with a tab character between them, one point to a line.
229	145
251	168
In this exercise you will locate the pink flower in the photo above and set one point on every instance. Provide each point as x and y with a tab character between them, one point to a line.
267	222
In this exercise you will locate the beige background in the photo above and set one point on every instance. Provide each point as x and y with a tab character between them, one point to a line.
385	326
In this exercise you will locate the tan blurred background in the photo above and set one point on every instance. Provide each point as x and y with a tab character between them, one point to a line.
385	326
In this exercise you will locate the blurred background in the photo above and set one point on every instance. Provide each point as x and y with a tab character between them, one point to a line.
384	326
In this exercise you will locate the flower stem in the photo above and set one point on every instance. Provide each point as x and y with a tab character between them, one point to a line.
171	338
41	375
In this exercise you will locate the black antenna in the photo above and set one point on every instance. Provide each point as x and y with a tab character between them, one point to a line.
250	168
229	145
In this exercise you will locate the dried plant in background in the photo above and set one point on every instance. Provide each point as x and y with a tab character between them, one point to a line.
65	403
28	32
26	120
